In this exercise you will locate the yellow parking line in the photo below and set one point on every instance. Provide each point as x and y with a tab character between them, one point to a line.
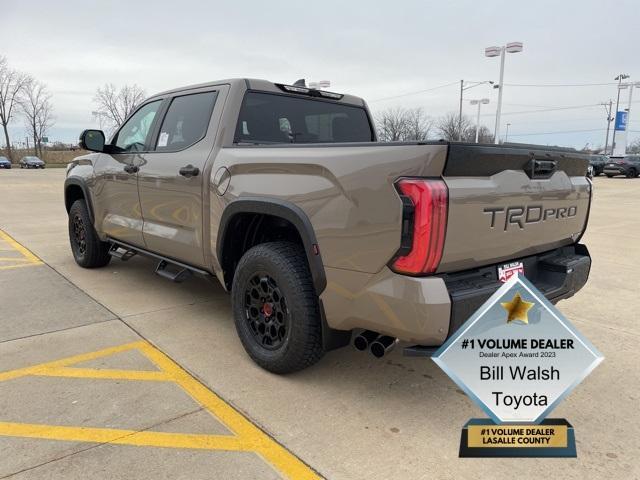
246	437
105	374
27	255
122	437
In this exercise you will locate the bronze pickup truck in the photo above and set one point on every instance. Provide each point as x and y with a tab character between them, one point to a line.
322	234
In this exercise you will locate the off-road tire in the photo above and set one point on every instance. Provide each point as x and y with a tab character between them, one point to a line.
88	250
283	265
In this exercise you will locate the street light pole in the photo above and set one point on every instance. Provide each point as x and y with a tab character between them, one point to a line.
506	135
462	89
500	88
479	103
512	47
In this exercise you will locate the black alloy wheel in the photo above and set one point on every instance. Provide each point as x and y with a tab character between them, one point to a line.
266	311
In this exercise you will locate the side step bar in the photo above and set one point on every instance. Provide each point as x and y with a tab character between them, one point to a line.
123	253
177	276
167	268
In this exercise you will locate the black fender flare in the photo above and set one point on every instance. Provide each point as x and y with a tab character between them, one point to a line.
79	182
288	211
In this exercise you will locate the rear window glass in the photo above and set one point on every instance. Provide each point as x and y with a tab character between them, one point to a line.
272	118
186	121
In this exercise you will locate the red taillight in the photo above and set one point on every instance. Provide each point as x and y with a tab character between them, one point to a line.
429	198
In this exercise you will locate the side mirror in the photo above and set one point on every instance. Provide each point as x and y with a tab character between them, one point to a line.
92	140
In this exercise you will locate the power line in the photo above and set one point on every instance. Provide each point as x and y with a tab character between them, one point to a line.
414	93
556	133
551	109
552	85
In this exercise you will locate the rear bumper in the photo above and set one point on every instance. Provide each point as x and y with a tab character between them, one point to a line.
427	310
614	171
558	274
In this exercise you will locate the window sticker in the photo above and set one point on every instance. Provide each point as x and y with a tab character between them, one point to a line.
163	139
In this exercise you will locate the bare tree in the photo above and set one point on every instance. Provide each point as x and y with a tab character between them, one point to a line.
484	135
12	86
418	126
401	124
116	105
391	124
37	110
448	127
634	147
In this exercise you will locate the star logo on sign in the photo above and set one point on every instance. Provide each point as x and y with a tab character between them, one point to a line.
517	309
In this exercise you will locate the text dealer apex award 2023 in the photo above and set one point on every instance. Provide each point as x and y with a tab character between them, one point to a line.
517	357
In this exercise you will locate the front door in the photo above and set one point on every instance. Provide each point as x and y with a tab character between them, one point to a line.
171	179
117	205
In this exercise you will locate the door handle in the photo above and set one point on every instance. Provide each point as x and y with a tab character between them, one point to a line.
131	168
189	171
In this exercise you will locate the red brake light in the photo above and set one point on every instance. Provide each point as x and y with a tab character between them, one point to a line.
430	202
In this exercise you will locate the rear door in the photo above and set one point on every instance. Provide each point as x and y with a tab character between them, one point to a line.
117	206
172	181
510	202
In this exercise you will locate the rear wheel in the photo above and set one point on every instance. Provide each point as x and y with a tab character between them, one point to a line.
632	173
276	309
609	175
88	250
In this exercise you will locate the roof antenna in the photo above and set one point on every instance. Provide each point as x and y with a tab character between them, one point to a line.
300	83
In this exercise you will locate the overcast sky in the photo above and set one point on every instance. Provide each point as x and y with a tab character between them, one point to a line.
371	49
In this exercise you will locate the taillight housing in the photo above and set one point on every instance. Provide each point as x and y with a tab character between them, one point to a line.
423	226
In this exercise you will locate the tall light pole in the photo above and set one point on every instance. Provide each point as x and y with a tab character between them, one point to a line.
462	89
506	135
620	77
512	47
480	102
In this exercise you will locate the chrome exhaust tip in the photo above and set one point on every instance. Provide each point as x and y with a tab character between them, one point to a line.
363	340
382	345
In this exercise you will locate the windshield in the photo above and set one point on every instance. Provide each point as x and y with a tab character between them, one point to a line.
274	118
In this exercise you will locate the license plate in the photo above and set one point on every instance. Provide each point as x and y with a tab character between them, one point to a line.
505	272
611	165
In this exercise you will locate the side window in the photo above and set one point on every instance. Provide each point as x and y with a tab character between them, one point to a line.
133	134
186	121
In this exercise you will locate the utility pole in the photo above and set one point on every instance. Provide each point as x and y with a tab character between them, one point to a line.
506	135
460	114
608	107
620	77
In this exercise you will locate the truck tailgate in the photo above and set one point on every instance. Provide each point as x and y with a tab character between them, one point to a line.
507	202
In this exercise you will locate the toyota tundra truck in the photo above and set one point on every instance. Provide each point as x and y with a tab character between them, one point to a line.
322	235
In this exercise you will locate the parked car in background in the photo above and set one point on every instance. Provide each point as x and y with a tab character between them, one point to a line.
629	166
4	162
597	162
31	162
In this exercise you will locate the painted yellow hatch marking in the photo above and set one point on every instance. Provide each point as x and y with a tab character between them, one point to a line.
14	255
246	437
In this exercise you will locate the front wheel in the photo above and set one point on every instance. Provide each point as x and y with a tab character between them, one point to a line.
632	173
88	250
276	309
609	175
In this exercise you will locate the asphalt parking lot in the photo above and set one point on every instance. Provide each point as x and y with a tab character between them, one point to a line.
118	373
